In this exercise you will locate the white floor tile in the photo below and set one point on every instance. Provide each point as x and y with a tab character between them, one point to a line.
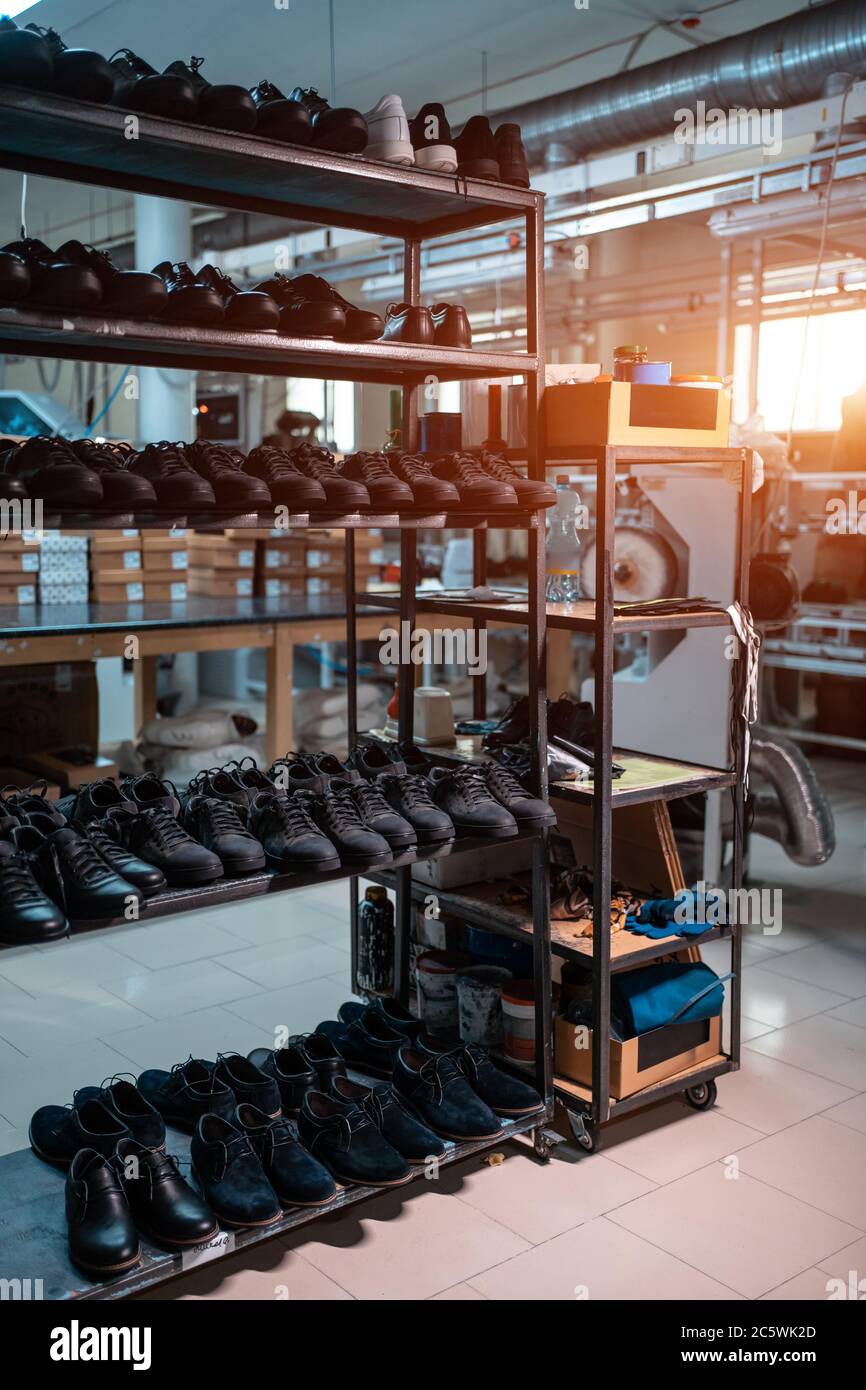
826	966
769	1095
670	1139
47	1024
269	1272
461	1293
808	1287
88	958
852	1012
850	1112
751	1028
37	1081
200	1034
291	962
818	1162
178	990
776	1000
296	1008
171	941
12	1138
822	1045
272	917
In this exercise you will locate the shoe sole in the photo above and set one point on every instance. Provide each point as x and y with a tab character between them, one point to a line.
237	868
391	152
193	877
46	1158
9	940
437	159
288	1203
108	1269
297	866
444	1133
368	1182
480	169
517	1114
487	832
172	1243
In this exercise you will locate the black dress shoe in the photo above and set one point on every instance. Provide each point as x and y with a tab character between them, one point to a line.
300	315
78	72
293	1073
122	1099
338	817
284	480
465	795
511	155
431	494
368	1043
388	493
345	1140
176	483
221	104
409	323
156	837
298	1179
189	299
121	490
476	150
26	59
27	915
102	1235
505	1094
55	282
224	470
50	469
403	1131
184	1094
436	1090
319	1053
73	872
531	492
163	1206
57	1132
291	839
395	1014
139	87
530	812
362	325
217	826
227	1169
136	293
94	800
14	278
250	309
248	1083
477	489
280	117
339	128
341	493
451	325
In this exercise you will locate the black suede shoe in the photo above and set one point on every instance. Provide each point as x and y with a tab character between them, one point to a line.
388	493
291	839
362	325
135	293
505	1094
294	773
319	1053
217	826
531	492
224	470
164	1207
102	1235
57	1132
298	1178
511	155
122	1099
73	872
227	1169
139	87
286	483
121	490
476	150
377	814
220	104
437	1091
530	812
54	282
385	1108
189	299
464	794
220	784
280	117
27	915
394	1013
301	316
26	59
249	309
408	793
340	128
94	800
431	493
337	816
477	488
292	1072
343	1137
188	1091
249	1084
176	483
50	469
156	837
106	838
149	791
250	778
341	493
368	1043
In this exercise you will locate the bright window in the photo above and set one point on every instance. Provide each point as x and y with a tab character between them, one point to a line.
834	366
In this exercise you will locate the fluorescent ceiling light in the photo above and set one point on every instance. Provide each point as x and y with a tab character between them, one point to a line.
13	7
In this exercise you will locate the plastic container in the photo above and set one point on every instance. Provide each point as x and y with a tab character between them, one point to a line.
563	545
518	1020
479	1004
436	975
631	363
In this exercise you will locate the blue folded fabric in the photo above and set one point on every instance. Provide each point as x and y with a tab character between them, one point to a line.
658	917
669	992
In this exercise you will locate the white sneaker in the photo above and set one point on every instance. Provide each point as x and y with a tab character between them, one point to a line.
388	128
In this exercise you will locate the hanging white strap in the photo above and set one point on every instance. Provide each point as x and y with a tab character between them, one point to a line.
750	639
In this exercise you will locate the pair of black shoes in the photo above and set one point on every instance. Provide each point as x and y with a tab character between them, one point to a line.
459	1093
208	298
488	482
308	307
252	1165
77	277
77	475
483	154
443	325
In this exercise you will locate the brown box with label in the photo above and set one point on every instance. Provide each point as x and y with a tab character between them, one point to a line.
165	551
21	590
221	583
17	559
638	1062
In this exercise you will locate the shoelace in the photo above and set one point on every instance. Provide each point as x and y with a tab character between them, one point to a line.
86	861
223	817
166	832
276	1136
215	460
370	801
340	811
56	451
504	781
496	467
438	1073
98	834
416	467
138	65
277	463
17	883
415	790
468	470
380	1099
293	815
171	460
374	466
470	783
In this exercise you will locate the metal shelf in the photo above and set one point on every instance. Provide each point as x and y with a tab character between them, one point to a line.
577	1097
65	139
570	617
649	778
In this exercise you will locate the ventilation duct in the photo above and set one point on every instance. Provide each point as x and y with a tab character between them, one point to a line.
795	812
778	65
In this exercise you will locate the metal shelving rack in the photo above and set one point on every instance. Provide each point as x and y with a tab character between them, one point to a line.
66	139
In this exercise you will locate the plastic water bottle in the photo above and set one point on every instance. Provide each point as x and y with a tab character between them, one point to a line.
563	545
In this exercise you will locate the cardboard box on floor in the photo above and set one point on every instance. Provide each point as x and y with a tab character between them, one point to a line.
638	1062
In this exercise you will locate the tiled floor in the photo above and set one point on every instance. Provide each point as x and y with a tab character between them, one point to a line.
762	1196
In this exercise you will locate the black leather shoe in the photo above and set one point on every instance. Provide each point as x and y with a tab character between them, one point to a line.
105	836
395	1014
530	812
156	837
102	1235
436	1090
57	1132
27	801
451	325
408	792
476	150
227	1169
224	470
121	490
298	1179
248	1083
122	1099
319	1053
337	816
94	800
221	104
14	278
26	59
343	1137
378	814
73	872
511	155
280	117
220	784
163	1206
368	1043
409	323
293	1073
176	483
362	325
185	1093
27	915
388	493
431	494
78	72
431	139
249	309
341	493
135	293
339	128
139	87
284	480
403	1131
55	282
531	492
189	299
476	487
463	792
217	826
51	470
300	315
505	1094
291	839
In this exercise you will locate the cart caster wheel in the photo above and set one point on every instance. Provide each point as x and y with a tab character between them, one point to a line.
703	1096
542	1145
586	1134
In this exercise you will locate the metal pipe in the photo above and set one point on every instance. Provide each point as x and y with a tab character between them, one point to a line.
777	65
795	812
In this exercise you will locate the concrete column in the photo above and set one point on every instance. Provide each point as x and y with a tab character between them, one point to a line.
163	232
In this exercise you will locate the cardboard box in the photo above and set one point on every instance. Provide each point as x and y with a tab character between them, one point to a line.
280	586
120	555
491	861
122	575
131	591
21	778
637	1062
17	592
72	767
288	556
236	558
216	584
66	592
162	589
617	412
17	558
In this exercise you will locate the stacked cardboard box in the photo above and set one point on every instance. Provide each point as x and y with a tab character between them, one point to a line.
222	566
19	570
281	565
315	562
63	572
165	565
116	574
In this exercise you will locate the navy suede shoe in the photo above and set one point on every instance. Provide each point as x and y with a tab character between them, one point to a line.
292	1072
393	1012
436	1089
57	1132
505	1094
189	1090
403	1131
344	1138
298	1178
369	1043
227	1169
122	1098
248	1082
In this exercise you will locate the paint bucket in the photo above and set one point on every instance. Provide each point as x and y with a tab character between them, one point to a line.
518	1020
479	1004
436	973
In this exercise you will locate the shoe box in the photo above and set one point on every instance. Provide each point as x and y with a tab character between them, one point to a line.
281	563
491	861
47	706
222	566
165	565
314	563
19	570
116	574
